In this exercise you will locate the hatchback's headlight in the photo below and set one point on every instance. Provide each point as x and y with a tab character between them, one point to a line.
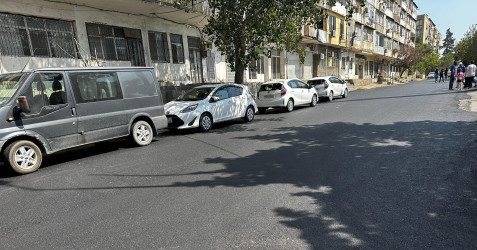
189	108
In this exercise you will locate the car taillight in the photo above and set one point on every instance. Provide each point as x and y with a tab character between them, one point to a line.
284	91
326	85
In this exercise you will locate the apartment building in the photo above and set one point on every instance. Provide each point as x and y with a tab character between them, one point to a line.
362	47
70	33
427	32
77	33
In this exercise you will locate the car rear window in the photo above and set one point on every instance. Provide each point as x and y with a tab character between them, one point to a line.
316	82
271	86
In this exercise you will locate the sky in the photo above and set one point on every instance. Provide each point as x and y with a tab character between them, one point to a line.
458	15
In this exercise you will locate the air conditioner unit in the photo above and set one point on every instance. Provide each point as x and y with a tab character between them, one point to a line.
333	33
322	56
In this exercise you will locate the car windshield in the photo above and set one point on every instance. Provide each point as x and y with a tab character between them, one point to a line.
195	94
9	83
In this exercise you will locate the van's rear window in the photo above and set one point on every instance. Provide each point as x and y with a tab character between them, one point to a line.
271	86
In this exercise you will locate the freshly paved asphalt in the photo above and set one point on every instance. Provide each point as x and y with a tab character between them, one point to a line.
387	168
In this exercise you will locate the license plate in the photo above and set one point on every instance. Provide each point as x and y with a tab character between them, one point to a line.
169	119
268	96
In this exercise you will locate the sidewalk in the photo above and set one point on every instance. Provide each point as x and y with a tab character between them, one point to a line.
471	103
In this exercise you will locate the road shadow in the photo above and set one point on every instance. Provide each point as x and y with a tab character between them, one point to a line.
403	185
407	185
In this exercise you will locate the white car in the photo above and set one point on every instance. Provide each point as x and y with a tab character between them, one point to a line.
202	106
431	75
329	87
286	94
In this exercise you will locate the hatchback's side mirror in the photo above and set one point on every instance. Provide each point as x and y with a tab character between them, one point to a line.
23	103
214	99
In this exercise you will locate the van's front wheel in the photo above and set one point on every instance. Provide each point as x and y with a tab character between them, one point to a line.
23	156
142	133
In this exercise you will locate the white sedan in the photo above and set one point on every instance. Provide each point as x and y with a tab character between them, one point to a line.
329	87
286	94
202	106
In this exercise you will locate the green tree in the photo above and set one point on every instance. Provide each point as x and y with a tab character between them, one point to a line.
244	29
428	63
466	49
408	57
446	60
448	44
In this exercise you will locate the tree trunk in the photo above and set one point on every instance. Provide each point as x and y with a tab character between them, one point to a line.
240	50
239	73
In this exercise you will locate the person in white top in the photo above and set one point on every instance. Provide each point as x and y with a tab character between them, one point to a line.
470	74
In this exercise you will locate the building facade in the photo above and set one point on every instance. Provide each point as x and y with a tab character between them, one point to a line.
155	33
427	32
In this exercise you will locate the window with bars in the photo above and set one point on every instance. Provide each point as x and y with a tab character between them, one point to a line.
177	49
39	37
107	42
159	47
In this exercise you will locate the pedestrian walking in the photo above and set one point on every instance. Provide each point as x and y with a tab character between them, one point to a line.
436	75
462	68
446	74
441	75
470	74
452	75
460	78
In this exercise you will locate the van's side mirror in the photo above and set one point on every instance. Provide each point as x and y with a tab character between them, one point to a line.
23	103
214	99
309	86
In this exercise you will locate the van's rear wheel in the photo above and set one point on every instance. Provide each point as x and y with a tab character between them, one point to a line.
23	156
142	133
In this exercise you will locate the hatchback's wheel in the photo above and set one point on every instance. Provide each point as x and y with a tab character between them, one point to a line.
314	100
142	133
262	110
330	96
249	114
205	122
345	93
290	105
23	156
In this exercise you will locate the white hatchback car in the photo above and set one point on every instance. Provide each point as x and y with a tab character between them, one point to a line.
329	87
285	93
202	106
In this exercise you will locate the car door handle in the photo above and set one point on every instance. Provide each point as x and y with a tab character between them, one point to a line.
73	111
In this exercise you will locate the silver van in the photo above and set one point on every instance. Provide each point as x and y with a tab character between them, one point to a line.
52	109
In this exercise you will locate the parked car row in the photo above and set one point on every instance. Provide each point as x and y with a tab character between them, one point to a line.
48	110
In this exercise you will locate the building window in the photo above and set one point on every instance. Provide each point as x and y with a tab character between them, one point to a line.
357	31
256	67
107	42
332	23
159	47
177	49
32	36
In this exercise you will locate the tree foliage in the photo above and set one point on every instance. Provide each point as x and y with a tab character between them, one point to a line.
466	49
428	63
242	30
409	57
448	44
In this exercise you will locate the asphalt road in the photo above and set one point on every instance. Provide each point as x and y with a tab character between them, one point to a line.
387	168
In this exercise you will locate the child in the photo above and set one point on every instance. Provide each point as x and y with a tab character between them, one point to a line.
460	76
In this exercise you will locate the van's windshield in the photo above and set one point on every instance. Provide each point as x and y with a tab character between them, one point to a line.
195	94
9	83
